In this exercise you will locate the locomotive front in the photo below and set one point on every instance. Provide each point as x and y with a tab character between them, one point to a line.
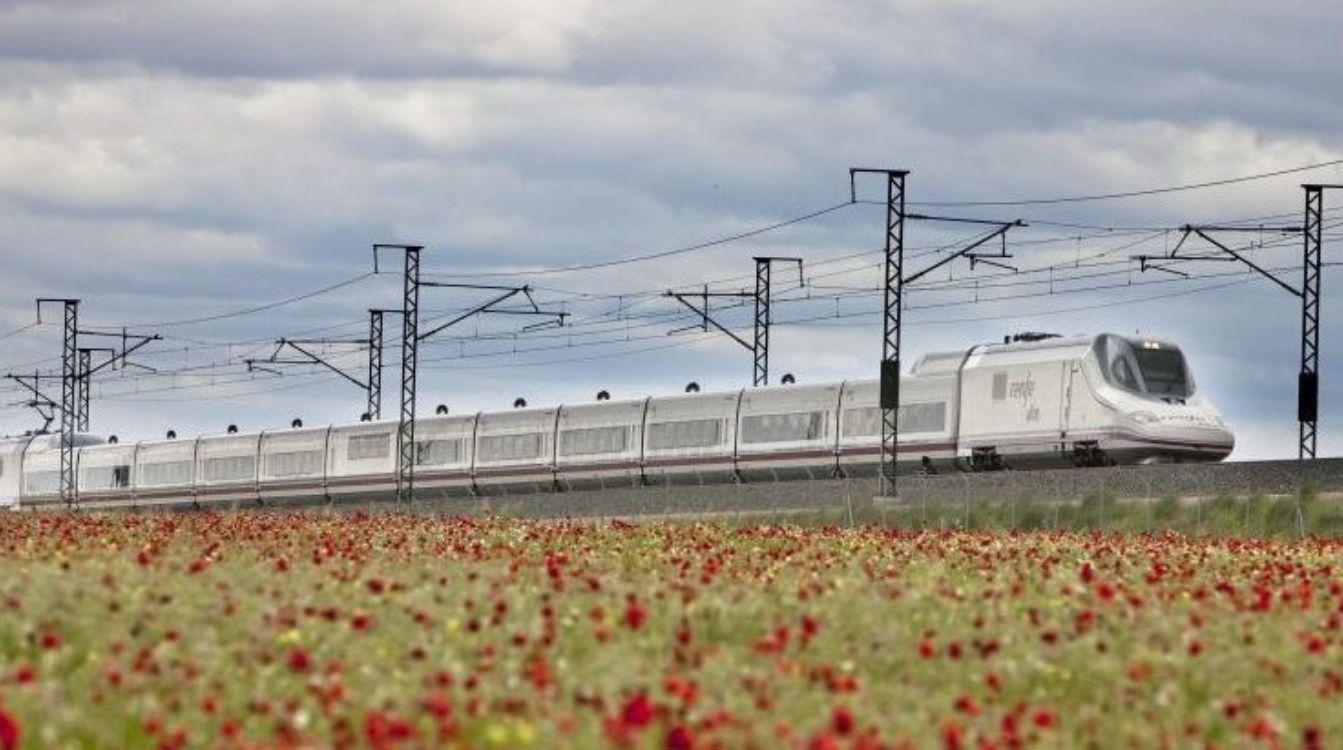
1161	415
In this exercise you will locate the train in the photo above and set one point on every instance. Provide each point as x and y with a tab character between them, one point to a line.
1034	400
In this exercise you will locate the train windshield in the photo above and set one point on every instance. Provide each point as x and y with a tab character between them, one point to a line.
1151	368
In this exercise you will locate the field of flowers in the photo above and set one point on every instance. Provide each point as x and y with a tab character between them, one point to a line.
385	630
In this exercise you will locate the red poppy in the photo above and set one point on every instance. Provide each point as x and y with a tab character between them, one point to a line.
299	660
637	711
635	614
51	640
679	738
9	731
24	673
841	720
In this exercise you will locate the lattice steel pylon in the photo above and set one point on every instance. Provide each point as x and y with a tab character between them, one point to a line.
1308	387
763	290
69	392
410	339
85	367
374	411
893	290
760	351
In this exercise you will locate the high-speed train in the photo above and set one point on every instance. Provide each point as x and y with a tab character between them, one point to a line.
1032	401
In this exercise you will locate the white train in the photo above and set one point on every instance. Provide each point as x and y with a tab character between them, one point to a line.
1033	401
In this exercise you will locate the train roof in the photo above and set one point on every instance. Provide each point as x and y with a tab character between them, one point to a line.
947	362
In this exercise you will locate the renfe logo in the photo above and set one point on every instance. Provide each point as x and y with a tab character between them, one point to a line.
1023	391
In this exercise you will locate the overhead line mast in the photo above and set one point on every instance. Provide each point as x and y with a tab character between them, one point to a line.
894	279
411	338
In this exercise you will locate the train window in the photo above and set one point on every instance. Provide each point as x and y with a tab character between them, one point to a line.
95	478
510	447
294	464
999	386
782	428
690	433
862	422
438	452
926	417
229	468
41	482
1163	370
164	473
362	447
589	441
105	477
2	467
929	417
1123	373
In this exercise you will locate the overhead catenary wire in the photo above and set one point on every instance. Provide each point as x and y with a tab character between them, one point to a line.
603	323
1125	194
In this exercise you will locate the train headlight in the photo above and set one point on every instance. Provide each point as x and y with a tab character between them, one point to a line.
1145	417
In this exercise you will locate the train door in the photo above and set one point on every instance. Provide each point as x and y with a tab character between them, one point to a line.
1066	413
1078	441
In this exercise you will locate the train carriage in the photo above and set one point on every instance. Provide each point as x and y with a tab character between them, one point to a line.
691	439
600	445
361	462
106	474
515	451
11	469
788	433
42	471
165	471
445	452
293	465
226	469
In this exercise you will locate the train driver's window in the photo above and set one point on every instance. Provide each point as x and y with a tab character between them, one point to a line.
1123	373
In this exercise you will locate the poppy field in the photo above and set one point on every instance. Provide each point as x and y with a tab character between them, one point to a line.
401	630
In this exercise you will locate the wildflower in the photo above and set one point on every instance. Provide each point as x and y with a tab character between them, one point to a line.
24	674
635	614
810	627
967	705
51	640
841	720
679	738
637	711
927	649
299	660
1087	573
9	731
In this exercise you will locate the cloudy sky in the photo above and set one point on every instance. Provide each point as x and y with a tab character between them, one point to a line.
168	162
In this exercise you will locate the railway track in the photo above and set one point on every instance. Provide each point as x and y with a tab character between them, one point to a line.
1232	479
